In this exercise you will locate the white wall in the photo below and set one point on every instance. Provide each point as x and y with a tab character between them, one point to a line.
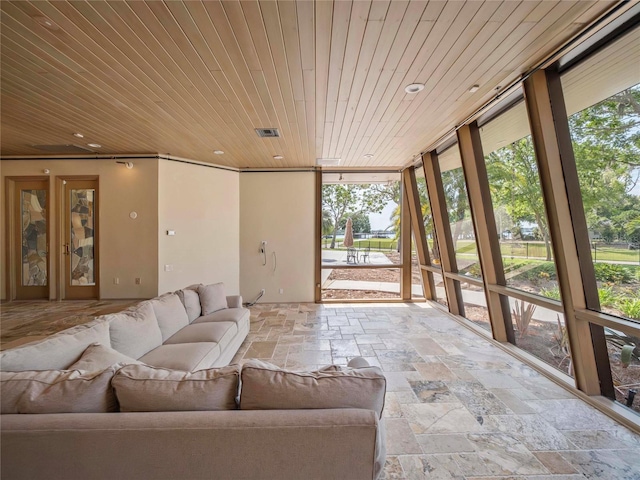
202	205
278	207
127	248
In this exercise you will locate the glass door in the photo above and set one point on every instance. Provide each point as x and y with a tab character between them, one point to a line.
32	240
80	247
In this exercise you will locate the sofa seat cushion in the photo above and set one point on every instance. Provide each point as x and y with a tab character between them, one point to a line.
170	313
219	332
237	315
142	388
58	391
135	332
183	356
97	357
268	387
57	351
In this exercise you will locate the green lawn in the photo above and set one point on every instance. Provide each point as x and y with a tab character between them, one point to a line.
467	249
374	243
537	250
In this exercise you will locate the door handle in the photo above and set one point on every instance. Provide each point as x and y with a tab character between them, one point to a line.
66	249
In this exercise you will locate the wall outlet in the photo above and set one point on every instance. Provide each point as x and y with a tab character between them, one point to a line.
262	291
168	268
281	291
116	281
138	281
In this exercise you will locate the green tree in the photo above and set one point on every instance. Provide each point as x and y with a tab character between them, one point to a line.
327	223
457	202
606	143
515	186
360	221
337	200
343	200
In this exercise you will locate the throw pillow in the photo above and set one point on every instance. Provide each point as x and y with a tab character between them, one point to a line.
191	301
142	388
171	314
135	332
58	391
212	298
268	387
97	357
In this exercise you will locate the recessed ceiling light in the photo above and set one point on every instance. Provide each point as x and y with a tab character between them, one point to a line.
278	157
218	152
368	155
94	145
474	88
414	88
46	22
79	135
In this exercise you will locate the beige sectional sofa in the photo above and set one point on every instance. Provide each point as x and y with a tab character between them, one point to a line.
196	327
132	396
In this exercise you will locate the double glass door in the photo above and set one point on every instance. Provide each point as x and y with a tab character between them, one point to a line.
76	240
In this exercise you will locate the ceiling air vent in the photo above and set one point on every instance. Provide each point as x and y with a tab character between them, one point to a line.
267	132
62	148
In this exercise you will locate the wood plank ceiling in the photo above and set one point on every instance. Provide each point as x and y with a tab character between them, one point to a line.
186	78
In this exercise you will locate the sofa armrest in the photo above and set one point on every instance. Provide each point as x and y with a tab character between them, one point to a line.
234	301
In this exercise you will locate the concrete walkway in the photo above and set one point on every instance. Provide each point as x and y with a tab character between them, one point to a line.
339	257
470	297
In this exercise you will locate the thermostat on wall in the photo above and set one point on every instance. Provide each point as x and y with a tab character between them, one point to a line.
171	232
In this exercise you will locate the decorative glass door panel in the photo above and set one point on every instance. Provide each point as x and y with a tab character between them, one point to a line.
34	237
31	247
80	249
82	235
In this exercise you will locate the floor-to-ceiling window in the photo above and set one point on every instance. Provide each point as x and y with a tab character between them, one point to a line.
463	237
602	98
522	230
361	229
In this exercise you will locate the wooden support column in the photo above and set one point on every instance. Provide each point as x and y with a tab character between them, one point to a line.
318	237
484	225
420	237
405	245
438	203
561	191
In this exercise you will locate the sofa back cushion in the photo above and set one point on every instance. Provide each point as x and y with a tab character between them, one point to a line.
212	298
142	388
98	357
58	391
170	313
191	301
57	351
268	387
135	332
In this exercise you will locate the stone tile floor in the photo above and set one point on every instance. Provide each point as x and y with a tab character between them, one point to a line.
457	406
30	320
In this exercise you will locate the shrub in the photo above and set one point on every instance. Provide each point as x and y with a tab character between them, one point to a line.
630	307
610	273
542	271
553	293
522	314
607	296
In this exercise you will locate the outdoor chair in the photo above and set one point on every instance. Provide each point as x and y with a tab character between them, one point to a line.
364	256
352	255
